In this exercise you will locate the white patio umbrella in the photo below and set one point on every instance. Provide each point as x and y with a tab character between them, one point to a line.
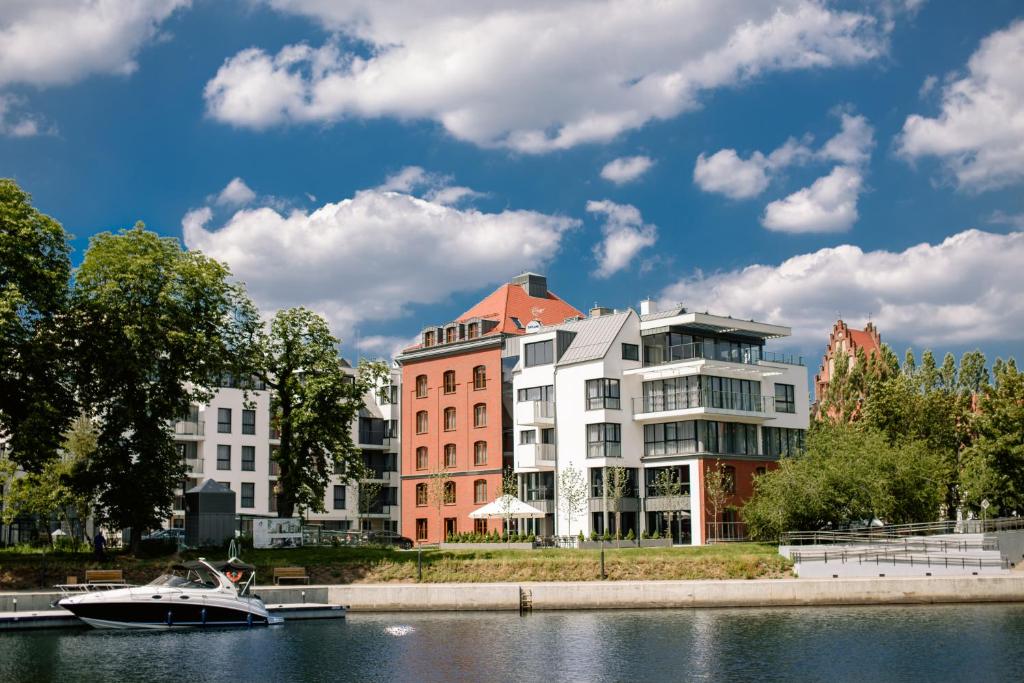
507	507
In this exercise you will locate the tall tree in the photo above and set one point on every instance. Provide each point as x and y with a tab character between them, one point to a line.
156	327
995	463
716	492
440	492
572	494
617	480
314	402
36	400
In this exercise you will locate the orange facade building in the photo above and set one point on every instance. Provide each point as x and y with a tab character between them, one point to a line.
456	408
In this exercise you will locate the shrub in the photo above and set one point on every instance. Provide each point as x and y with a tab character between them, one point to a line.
593	535
644	534
656	535
157	547
531	538
607	536
630	536
581	537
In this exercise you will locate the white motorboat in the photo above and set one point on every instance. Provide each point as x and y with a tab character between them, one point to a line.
193	594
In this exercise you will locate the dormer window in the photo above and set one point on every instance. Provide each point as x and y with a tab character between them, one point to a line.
472	331
428	338
449	335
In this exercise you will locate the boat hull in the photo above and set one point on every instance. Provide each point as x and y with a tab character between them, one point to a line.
165	615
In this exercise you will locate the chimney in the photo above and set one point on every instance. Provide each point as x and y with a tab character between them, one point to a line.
646	307
533	284
598	311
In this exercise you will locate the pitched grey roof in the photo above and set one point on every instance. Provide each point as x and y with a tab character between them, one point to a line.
672	312
594	336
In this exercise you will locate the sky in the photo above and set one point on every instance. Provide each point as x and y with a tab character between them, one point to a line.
389	164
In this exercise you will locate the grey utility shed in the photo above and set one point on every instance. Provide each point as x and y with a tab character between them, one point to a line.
209	514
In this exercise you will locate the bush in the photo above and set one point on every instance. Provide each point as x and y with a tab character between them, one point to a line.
607	536
655	535
593	535
644	535
65	544
581	537
630	536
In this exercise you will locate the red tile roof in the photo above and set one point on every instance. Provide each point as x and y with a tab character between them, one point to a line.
511	301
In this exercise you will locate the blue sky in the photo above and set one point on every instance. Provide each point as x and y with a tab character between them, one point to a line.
398	162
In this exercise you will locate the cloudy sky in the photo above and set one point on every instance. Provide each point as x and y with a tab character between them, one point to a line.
387	164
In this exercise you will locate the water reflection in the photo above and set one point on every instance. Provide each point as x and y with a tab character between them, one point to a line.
935	643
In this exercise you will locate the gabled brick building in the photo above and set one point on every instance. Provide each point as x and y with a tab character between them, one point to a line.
848	340
456	406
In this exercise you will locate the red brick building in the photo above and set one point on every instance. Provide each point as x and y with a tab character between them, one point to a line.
456	408
847	340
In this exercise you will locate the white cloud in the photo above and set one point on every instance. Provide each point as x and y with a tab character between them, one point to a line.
979	132
236	193
626	169
963	290
384	346
928	86
406	180
828	205
55	42
371	256
726	173
17	124
532	76
1000	217
625	234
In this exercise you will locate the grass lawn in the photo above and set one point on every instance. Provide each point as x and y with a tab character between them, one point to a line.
20	571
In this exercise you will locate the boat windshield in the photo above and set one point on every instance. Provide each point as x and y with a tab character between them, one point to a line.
199	577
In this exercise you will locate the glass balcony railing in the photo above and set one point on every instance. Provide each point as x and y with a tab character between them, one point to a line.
189	428
750	355
684	400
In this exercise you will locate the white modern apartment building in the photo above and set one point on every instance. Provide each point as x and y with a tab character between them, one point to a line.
232	440
671	393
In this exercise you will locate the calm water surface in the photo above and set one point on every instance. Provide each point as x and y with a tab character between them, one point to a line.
930	643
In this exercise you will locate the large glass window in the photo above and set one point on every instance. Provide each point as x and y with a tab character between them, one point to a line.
248	421
339	497
785	398
677	393
604	440
729	438
545	393
248	495
630	352
248	458
539	353
539	485
602	393
224	420
732	394
223	457
662	481
528	436
779	441
670	438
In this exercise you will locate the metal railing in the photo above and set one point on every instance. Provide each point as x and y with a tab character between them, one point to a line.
785	358
904	546
704	398
919	560
190	428
707	350
898	531
725	532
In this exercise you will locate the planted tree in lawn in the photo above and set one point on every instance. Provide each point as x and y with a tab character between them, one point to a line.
716	491
617	483
572	494
156	326
36	396
440	492
668	487
367	492
509	494
314	401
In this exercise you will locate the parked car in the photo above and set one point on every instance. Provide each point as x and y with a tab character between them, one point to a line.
389	538
177	535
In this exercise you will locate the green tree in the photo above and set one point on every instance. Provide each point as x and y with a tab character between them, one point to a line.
716	493
617	482
995	462
314	402
668	486
156	326
572	494
36	400
440	492
368	492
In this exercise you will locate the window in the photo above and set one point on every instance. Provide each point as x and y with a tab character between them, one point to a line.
428	338
248	458
479	378
421	529
339	497
449	455
449	419
421	458
471	330
480	415
421	386
732	394
630	352
248	421
479	526
449	493
421	495
540	353
779	441
248	495
604	440
759	471
785	400
223	457
224	420
389	394
480	491
677	393
602	393
545	393
528	436
547	435
480	453
670	438
449	381
449	335
421	422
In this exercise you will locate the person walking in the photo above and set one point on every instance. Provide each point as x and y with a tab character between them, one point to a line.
99	545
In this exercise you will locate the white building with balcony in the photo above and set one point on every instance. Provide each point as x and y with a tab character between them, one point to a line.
663	395
232	440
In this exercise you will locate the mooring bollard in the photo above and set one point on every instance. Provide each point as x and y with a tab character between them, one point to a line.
15	604
303	597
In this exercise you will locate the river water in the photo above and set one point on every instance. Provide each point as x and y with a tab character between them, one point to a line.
926	643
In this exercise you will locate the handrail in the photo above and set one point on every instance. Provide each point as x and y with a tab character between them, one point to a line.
704	398
707	351
927	560
899	531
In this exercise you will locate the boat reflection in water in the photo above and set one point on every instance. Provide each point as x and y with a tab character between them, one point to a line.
194	594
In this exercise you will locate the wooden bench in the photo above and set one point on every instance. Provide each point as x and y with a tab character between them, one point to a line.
104	576
290	574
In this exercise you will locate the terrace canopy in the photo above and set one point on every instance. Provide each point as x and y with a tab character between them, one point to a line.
507	507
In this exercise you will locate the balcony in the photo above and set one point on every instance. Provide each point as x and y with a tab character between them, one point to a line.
535	456
667	503
707	351
626	504
194	466
546	506
753	407
373	437
535	413
188	430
